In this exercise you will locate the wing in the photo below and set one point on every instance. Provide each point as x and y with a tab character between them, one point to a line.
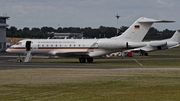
69	53
147	49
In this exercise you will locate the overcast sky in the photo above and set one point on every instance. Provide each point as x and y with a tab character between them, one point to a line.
89	13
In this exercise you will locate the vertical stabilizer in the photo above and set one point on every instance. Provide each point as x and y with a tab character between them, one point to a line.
175	37
137	31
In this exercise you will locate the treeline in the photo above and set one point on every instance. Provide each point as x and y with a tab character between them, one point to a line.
88	32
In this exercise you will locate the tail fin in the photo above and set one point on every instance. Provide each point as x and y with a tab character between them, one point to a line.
175	37
137	31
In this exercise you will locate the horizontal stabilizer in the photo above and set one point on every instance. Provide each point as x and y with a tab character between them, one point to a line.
143	19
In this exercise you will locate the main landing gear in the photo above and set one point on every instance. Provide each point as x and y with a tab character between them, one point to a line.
143	53
83	59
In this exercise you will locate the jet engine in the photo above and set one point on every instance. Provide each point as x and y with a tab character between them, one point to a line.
114	44
157	43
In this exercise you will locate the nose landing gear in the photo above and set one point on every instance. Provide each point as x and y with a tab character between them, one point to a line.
19	59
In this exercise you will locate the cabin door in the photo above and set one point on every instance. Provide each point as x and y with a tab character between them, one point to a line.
28	45
34	47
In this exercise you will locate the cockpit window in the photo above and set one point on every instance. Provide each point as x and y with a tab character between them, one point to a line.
19	43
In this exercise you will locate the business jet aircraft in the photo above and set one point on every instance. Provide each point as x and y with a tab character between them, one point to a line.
172	42
86	49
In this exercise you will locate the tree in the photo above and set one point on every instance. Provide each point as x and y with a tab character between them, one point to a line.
26	29
59	30
47	29
167	33
13	29
35	30
66	30
151	34
101	32
88	32
107	31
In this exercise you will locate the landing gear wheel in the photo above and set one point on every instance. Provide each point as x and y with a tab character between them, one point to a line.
90	60
19	60
82	60
146	54
143	53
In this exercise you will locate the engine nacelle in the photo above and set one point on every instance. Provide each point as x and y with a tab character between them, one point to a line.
157	43
112	44
136	44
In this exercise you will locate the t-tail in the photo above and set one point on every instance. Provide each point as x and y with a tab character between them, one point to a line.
137	31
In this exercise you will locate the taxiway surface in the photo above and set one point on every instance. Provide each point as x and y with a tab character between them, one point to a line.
5	64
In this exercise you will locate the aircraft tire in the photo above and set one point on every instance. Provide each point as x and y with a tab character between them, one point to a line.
19	60
90	60
140	54
146	54
82	60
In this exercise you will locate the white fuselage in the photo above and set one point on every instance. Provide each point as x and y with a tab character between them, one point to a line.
50	46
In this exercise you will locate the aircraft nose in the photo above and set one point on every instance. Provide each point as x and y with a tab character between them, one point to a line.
9	50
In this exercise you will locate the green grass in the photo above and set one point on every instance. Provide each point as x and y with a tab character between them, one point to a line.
160	85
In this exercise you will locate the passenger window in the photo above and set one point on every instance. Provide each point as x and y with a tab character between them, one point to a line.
19	43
